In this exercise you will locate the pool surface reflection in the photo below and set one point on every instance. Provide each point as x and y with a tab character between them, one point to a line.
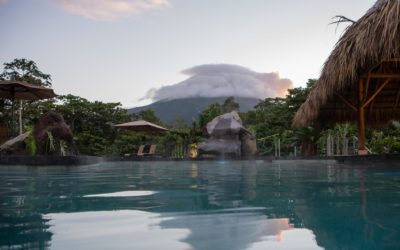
203	205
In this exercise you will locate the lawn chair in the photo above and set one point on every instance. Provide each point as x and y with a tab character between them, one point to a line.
152	150
147	150
140	150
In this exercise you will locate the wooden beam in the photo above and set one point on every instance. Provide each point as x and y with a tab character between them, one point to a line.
364	104
392	60
371	105
383	75
397	99
360	91
380	64
361	120
346	102
367	86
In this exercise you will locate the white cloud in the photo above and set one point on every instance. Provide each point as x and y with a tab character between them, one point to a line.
109	10
216	80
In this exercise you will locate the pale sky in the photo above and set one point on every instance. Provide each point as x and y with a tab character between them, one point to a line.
116	50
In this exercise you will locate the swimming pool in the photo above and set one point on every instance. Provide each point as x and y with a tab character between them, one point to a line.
201	205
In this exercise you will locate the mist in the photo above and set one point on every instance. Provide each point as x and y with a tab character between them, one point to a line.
217	80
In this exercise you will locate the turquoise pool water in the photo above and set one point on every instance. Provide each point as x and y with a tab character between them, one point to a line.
202	205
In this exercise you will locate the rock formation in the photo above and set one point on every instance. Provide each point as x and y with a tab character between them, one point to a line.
52	125
15	146
228	137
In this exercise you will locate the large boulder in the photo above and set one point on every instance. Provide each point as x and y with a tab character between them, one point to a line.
51	128
225	125
220	147
228	137
249	144
51	136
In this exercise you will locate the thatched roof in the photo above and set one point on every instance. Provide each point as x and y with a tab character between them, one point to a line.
369	46
141	126
24	91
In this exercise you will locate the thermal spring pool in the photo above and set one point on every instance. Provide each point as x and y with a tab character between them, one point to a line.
226	205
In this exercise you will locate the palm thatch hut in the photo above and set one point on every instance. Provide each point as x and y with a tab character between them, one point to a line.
360	80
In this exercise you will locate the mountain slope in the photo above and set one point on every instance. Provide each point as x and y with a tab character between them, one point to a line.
189	108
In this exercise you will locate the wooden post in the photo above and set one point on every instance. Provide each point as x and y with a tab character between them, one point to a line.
20	117
361	120
12	111
361	132
329	144
279	148
337	145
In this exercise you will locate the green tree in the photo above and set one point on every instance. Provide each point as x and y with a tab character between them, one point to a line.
269	121
297	96
180	125
215	109
212	111
272	118
25	70
230	105
91	123
147	115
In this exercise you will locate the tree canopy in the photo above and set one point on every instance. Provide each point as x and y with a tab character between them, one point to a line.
27	71
91	122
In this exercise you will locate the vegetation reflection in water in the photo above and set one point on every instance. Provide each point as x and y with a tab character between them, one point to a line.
204	205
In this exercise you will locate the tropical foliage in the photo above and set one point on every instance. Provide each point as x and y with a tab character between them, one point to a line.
270	121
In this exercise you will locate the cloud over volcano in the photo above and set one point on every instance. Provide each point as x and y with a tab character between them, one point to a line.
109	10
216	80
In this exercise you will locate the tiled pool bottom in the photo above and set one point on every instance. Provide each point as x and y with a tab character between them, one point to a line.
202	205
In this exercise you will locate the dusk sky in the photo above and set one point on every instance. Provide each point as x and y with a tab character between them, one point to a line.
117	50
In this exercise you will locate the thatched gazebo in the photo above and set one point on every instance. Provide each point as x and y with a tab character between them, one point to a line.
360	80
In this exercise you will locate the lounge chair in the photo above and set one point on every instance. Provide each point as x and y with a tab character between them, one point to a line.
140	150
147	150
152	150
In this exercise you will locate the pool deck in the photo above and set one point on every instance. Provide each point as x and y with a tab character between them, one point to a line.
40	160
368	158
88	160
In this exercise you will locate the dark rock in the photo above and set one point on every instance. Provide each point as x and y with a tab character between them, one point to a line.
15	146
228	124
220	147
54	124
228	136
249	144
